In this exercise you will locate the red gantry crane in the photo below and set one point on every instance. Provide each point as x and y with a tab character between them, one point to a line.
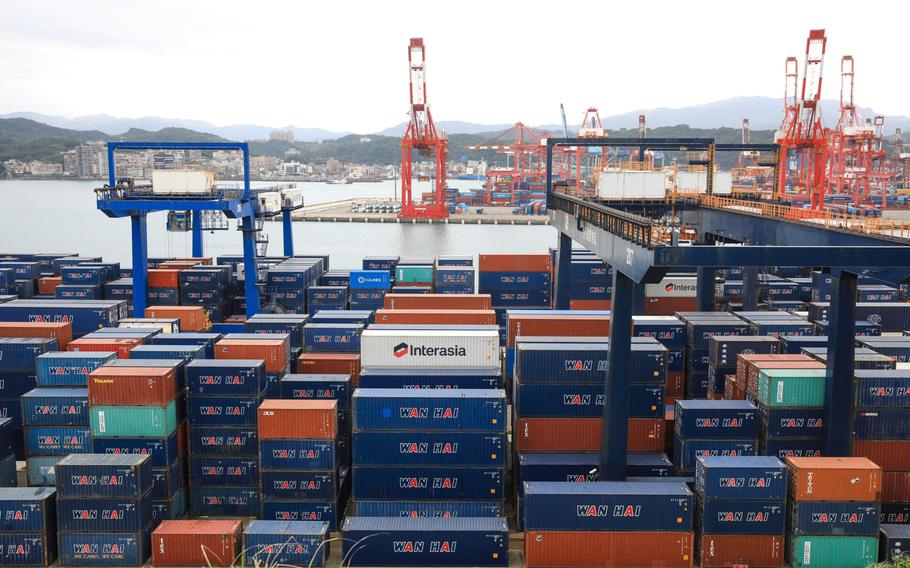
421	135
528	163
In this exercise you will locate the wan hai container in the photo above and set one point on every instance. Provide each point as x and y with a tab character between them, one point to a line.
434	409
429	348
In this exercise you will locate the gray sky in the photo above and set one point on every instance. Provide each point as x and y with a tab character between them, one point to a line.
343	65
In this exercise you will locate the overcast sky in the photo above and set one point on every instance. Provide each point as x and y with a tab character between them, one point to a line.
343	65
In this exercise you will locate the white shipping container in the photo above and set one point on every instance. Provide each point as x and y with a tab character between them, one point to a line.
631	184
166	325
723	183
183	182
429	348
690	181
673	287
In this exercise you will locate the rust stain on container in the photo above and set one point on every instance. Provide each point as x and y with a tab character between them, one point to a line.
273	351
465	317
437	302
181	543
298	419
62	331
892	455
120	346
583	549
834	479
765	551
537	325
152	386
583	434
330	364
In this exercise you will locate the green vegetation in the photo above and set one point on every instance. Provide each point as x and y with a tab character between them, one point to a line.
902	561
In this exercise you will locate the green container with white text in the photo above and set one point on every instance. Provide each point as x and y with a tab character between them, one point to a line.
133	421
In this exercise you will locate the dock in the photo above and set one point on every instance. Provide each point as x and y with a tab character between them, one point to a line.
343	212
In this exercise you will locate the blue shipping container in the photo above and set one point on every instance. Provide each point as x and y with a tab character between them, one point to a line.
438	409
161	451
107	475
741	516
333	337
434	509
14	384
716	419
57	440
28	549
27	509
295	543
224	377
222	411
332	387
300	484
742	477
223	441
366	279
578	400
298	454
428	448
490	281
239	471
55	407
105	548
425	378
103	514
834	518
687	451
19	353
225	501
443	483
298	510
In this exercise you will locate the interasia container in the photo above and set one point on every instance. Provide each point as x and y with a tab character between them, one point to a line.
428	483
296	419
428	448
607	505
833	551
162	451
127	421
104	548
223	377
432	409
596	549
851	518
62	331
437	302
834	479
745	477
132	386
273	351
27	509
433	509
225	501
224	441
27	549
59	406
388	541
295	543
721	551
103	514
583	434
729	419
104	475
196	542
429	348
430	378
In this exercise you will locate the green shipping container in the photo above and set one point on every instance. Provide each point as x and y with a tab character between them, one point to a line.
414	274
833	551
792	387
138	421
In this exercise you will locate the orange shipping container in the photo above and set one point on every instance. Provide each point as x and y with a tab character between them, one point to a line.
196	260
132	386
590	304
669	306
892	455
120	346
47	286
583	549
330	364
744	361
196	543
178	264
834	479
676	384
583	434
465	317
514	263
273	351
718	551
437	302
61	331
291	419
543	324
192	318
896	487
164	278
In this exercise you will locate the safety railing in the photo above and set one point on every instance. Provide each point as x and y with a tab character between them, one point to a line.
124	191
635	228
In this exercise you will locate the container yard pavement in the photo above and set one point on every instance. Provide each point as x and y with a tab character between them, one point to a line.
342	212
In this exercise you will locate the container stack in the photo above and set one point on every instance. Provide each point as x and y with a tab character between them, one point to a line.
881	433
385	263
28	529
713	428
455	275
223	398
516	281
335	387
196	543
700	326
18	368
630	523
287	543
82	282
135	410
104	509
56	424
287	282
272	348
722	353
164	286
368	288
325	298
741	511
834	512
670	331
206	286
791	403
591	282
302	476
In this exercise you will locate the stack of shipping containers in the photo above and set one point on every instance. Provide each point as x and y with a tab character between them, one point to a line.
670	331
18	366
414	276
722	353
368	288
56	424
28	526
103	521
700	326
591	282
713	428
455	275
206	286
515	281
222	402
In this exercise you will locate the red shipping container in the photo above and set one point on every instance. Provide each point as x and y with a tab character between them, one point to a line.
310	419
132	386
676	384
444	317
754	550
61	331
834	479
570	325
47	285
732	390
583	549
182	438
273	351
164	278
120	346
192	318
196	543
583	434
891	455
330	364
669	306
896	487
590	304
437	302
514	262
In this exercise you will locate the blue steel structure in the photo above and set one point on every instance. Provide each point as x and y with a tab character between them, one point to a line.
638	253
136	202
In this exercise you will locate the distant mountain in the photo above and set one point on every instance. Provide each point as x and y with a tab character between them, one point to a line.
112	126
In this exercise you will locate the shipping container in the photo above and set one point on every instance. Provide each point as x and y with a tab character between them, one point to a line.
437	302
55	406
431	378
428	483
192	318
514	263
223	501
28	549
295	543
891	455
273	351
19	353
61	331
834	479
333	337
104	548
57	440
221	470
296	510
161	451
224	441
576	400
221	411
742	477
426	348
132	386
833	551
299	484
428	448
39	470
292	419
298	454
397	541
598	549
850	518
130	421
224	377
791	387
331	387
894	542
196	542
721	551
83	315
583	434
431	409
103	514
555	323
27	509
729	419
741	516
469	317
104	475
207	340
435	509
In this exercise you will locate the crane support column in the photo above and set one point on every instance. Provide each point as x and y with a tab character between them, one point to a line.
140	264
196	222
750	288
841	359
563	272
614	436
249	266
287	225
638	300
705	293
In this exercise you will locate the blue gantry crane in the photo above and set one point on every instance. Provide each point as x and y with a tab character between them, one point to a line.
124	198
